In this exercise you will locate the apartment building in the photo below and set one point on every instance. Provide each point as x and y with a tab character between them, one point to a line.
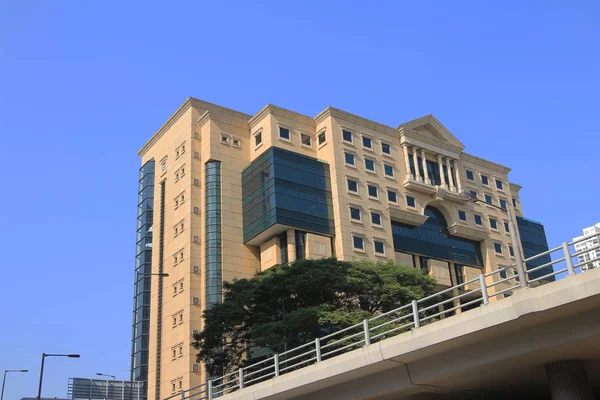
223	194
590	253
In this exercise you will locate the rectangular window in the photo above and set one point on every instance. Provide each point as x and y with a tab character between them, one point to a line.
392	196
358	243
379	247
284	133
349	158
511	251
369	164
352	185
367	142
306	140
372	191
503	272
506	227
385	148
499	184
321	138
478	219
258	139
493	223
498	248
485	180
489	199
470	175
225	139
458	269
347	136
389	170
473	194
462	215
355	213
375	218
503	204
410	201
514	201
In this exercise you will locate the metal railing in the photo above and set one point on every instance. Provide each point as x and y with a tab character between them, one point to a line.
472	293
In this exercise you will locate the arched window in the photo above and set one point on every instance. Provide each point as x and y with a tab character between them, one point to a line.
432	239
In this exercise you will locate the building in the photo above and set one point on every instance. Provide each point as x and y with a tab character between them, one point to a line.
104	389
223	194
589	259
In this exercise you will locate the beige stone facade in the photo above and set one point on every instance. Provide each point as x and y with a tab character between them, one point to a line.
199	132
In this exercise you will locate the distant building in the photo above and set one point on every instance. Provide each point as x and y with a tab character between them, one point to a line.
102	389
591	258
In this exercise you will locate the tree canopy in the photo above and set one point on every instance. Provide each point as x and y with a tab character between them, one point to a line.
293	304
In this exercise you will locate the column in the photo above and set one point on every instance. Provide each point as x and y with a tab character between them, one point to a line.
441	166
450	181
424	161
568	380
409	174
457	174
418	176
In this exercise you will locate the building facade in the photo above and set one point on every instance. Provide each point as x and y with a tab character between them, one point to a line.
590	258
104	389
225	194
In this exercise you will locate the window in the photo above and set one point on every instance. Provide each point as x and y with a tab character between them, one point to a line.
347	136
499	184
235	142
386	148
367	142
306	140
224	139
506	227
372	189
489	199
514	201
458	270
163	165
173	356
503	272
349	158
321	138
511	251
485	180
181	317
358	243
478	220
462	215
410	201
352	185
355	214
493	223
375	218
498	248
503	204
258	139
388	170
392	196
369	165
473	194
284	133
470	175
379	247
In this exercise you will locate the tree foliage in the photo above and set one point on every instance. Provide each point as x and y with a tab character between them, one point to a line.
291	305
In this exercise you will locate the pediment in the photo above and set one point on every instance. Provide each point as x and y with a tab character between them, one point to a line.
429	128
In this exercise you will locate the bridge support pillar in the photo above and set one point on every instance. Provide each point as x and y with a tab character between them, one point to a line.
568	380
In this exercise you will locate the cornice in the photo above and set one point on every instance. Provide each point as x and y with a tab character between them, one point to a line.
216	115
336	113
415	138
484	163
430	119
514	187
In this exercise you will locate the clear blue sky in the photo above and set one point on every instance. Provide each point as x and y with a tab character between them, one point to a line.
84	84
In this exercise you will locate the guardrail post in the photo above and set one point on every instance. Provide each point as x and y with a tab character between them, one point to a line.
484	292
568	259
318	349
415	309
276	362
241	378
209	389
183	395
367	332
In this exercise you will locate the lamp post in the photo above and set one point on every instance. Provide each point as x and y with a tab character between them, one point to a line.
4	380
100	374
44	355
513	237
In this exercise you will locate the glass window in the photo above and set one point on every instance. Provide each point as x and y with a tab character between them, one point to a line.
493	223
369	164
473	194
514	201
258	139
321	138
392	196
410	201
355	213
347	136
498	248
485	180
389	170
458	269
470	175
503	204
349	157
358	243
372	191
499	184
375	218
379	247
367	142
503	272
478	220
511	251
306	139
385	148
284	133
352	185
300	245
506	227
489	199
462	215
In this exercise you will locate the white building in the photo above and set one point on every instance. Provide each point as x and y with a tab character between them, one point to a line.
592	257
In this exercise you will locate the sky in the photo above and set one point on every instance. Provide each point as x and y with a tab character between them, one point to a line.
84	84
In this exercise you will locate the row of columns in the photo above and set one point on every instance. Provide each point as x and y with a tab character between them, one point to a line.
450	163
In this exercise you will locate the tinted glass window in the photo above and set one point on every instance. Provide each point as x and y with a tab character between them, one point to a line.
497	247
392	196
258	139
498	183
357	242
284	133
375	218
352	185
389	170
470	175
478	220
410	201
379	247
462	215
321	137
372	190
484	180
385	148
493	223
355	213
503	203
488	199
349	158
347	135
369	164
367	142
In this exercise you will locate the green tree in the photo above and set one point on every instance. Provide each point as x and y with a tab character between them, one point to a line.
291	305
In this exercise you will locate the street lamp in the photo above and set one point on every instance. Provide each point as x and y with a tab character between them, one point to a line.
44	355
467	196
99	374
4	380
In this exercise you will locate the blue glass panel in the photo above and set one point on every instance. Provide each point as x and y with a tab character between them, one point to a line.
352	185
389	170
470	175
355	213
284	133
392	196
462	215
484	180
499	184
385	148
213	242
498	248
369	164
347	135
358	242
478	220
493	223
367	142
379	247
533	242
489	199
503	204
376	218
410	201
349	158
372	190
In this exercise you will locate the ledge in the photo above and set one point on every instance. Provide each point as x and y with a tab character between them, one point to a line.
468	232
419	186
406	217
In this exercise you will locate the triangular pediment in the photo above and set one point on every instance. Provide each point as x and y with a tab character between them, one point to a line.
429	127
